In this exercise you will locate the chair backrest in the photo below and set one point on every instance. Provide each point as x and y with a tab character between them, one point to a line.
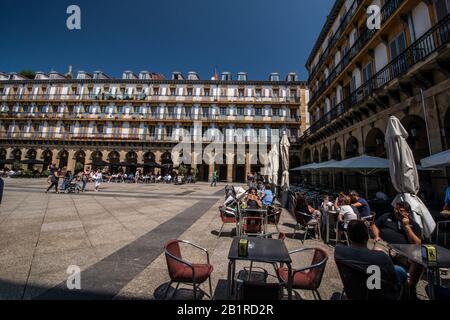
260	291
253	224
354	278
274	215
300	217
315	274
173	252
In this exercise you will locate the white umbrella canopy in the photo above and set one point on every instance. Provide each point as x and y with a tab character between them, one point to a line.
327	165
404	176
284	145
438	160
274	164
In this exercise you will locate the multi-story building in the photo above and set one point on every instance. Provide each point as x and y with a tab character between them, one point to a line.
359	75
96	121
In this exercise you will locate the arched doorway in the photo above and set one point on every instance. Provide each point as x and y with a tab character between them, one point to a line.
31	158
417	136
351	148
352	180
131	159
336	154
114	161
63	157
149	162
166	163
239	168
324	175
316	158
220	160
47	157
16	157
97	160
375	144
306	159
80	159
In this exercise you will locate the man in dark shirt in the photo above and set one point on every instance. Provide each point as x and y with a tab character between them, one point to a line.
359	254
399	228
361	204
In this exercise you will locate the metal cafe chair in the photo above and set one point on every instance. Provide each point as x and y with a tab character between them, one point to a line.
305	224
228	216
354	278
183	271
306	278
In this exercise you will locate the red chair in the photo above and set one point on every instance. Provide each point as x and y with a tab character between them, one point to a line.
228	216
307	278
182	271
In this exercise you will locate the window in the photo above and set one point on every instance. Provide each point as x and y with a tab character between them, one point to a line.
156	91
367	72
397	45
169	132
171	111
240	111
151	130
188	111
173	92
242	77
258	111
100	128
276	112
241	93
189	92
353	84
205	111
294	132
442	8
293	93
258	93
207	93
276	93
223	111
274	77
294	113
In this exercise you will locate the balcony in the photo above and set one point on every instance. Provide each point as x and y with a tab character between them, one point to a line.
348	17
139	98
432	41
386	12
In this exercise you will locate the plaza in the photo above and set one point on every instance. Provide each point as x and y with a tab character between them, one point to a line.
116	237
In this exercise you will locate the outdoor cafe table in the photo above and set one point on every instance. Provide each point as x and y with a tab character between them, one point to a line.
414	253
260	250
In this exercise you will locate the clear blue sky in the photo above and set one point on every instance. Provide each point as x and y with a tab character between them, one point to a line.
255	36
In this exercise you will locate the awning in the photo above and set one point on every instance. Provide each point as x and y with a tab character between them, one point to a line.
99	163
7	161
151	164
306	167
327	165
32	161
363	162
438	160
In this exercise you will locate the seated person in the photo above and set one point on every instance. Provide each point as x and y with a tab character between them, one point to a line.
260	186
358	253
253	201
267	198
346	214
361	204
399	228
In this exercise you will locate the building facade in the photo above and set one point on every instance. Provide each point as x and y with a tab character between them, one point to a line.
359	76
95	121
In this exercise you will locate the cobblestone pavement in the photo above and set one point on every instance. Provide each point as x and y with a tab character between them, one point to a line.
116	237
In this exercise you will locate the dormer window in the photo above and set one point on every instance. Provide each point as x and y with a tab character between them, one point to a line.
242	76
274	77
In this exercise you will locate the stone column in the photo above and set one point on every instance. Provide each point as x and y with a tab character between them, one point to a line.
71	161
229	172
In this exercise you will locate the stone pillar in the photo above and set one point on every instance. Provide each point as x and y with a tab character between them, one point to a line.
229	172
71	161
248	163
211	170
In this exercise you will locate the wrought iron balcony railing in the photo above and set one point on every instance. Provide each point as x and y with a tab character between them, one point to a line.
434	39
386	12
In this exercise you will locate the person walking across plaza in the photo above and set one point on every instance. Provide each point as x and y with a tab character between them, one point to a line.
54	180
214	179
98	178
